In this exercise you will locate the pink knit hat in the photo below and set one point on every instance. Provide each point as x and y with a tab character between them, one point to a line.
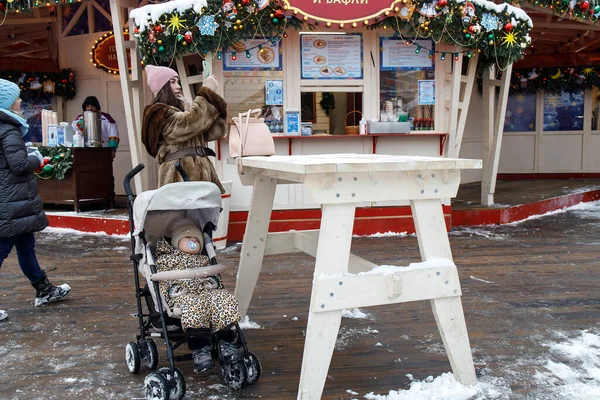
158	77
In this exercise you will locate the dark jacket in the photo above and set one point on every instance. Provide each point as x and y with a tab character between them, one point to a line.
20	204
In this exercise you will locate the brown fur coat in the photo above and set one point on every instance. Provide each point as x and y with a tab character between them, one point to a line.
167	129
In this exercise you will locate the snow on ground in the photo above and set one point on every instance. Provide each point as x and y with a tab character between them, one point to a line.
247	324
68	232
355	313
570	370
381	235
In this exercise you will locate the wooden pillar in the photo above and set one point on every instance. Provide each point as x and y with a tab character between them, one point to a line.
494	111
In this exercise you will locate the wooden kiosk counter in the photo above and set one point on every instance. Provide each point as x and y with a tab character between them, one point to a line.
90	179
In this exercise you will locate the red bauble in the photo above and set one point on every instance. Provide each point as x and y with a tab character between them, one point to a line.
472	29
508	27
279	13
442	3
245	2
188	37
158	28
584	6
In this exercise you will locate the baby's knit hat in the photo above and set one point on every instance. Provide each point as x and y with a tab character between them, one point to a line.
9	93
183	229
158	77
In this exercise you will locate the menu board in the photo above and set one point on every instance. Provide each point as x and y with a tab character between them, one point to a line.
267	56
395	54
331	56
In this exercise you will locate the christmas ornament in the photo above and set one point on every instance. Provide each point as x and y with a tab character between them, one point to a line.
175	23
49	87
489	22
508	27
188	37
207	25
229	9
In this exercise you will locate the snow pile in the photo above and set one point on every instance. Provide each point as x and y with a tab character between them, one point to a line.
355	313
68	232
152	12
247	324
577	374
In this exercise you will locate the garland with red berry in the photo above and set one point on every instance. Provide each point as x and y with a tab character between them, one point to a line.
555	80
58	161
185	27
33	84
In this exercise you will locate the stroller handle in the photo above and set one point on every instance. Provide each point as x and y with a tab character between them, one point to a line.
129	177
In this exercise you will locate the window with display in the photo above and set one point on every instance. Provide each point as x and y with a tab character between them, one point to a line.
254	79
520	112
407	82
563	111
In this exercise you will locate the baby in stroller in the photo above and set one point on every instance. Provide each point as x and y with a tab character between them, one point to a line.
186	303
206	306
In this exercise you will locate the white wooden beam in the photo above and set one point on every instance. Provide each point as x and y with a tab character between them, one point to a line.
126	89
464	102
494	122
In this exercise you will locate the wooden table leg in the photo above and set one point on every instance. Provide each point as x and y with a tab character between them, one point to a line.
255	239
333	254
448	312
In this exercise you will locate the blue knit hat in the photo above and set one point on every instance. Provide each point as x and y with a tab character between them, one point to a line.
9	93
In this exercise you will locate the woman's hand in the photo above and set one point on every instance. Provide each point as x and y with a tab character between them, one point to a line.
211	83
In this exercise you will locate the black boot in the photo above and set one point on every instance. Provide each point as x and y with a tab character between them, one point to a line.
45	292
200	342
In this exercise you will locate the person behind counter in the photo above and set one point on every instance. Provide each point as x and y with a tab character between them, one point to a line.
21	212
110	132
173	130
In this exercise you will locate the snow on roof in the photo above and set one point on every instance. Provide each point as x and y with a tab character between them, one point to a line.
499	8
152	12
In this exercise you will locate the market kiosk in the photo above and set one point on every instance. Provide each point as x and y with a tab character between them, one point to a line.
400	71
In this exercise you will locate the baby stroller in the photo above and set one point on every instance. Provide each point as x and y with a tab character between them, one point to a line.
149	216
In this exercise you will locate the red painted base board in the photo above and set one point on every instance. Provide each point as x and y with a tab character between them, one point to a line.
368	221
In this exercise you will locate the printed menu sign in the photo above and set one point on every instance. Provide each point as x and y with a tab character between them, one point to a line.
395	54
426	92
267	56
331	56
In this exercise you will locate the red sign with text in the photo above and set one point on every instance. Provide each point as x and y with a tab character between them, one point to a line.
341	10
105	54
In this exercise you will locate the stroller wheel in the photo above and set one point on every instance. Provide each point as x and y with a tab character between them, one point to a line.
152	354
156	387
132	357
253	368
175	381
234	374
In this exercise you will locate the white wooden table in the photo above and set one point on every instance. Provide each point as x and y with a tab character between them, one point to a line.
341	280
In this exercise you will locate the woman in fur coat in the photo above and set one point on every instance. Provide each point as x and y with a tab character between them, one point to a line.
174	130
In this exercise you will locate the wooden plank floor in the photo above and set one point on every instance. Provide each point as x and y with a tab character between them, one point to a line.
516	192
545	276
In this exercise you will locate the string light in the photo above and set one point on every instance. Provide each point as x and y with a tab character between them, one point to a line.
418	49
443	56
247	53
233	56
219	55
455	56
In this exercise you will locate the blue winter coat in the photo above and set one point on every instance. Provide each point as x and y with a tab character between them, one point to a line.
20	204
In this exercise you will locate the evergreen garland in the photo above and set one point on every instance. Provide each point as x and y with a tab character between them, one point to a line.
35	84
219	27
58	160
499	32
585	10
555	80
